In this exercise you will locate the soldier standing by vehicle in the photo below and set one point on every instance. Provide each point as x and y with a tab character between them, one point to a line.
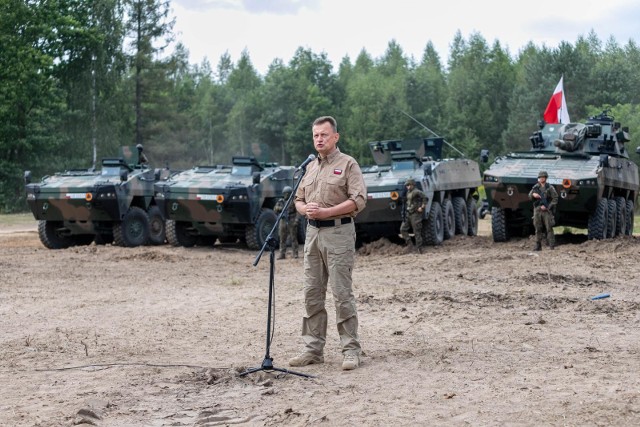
416	203
288	226
545	199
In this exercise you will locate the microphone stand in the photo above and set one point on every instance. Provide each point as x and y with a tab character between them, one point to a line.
270	242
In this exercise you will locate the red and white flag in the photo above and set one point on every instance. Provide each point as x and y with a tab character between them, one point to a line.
556	111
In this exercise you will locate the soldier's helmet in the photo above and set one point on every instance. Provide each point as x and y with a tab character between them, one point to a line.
543	174
410	181
286	191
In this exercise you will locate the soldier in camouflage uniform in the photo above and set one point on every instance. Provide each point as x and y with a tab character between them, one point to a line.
545	199
416	203
288	226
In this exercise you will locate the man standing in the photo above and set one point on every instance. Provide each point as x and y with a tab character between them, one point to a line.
416	204
288	226
545	199
330	195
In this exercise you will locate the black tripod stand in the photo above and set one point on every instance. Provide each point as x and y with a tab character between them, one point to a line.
270	242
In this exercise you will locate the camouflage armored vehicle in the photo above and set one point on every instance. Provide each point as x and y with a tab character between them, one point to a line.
450	185
589	166
225	203
114	204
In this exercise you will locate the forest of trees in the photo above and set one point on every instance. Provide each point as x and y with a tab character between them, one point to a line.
79	79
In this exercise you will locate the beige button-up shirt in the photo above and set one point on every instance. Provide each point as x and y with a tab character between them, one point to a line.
332	180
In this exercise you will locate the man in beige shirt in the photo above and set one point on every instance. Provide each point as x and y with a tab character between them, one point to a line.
330	195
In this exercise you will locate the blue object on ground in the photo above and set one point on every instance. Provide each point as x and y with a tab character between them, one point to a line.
600	296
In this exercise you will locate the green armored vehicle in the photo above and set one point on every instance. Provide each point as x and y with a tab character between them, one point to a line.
589	166
114	204
225	203
450	185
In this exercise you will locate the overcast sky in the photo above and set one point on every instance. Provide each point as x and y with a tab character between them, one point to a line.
270	29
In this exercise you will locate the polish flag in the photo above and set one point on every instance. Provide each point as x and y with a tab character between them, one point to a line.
556	111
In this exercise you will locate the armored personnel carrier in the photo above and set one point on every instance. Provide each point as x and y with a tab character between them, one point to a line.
450	185
589	166
114	204
225	203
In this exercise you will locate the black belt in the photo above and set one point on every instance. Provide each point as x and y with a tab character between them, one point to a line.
329	222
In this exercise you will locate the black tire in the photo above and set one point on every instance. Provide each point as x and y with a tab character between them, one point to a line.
630	217
257	233
449	219
460	211
178	234
472	217
612	214
621	216
499	225
133	230
482	212
157	231
51	235
597	225
433	228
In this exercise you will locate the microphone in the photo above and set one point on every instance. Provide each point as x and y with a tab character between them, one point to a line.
308	160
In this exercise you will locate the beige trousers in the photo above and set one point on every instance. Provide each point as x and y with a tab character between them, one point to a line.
328	261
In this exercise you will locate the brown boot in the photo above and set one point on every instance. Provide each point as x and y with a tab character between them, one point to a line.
538	246
295	255
282	255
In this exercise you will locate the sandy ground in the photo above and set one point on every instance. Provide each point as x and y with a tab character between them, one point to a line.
469	333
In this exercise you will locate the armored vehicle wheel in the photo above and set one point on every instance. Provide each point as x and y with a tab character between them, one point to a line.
157	233
81	239
434	226
50	233
133	230
472	217
449	218
103	239
611	218
630	218
483	208
499	225
597	225
178	234
460	211
621	216
257	233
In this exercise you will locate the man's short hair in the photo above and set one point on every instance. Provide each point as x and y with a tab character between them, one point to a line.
325	119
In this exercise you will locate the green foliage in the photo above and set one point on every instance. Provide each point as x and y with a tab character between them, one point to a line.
79	79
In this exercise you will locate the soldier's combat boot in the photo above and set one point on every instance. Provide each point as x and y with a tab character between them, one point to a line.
538	246
281	256
295	255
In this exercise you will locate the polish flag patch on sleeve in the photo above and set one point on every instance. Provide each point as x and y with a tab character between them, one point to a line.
337	171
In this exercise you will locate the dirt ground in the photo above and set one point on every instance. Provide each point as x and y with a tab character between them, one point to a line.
469	333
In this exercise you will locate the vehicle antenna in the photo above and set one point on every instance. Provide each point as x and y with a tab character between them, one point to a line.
432	132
